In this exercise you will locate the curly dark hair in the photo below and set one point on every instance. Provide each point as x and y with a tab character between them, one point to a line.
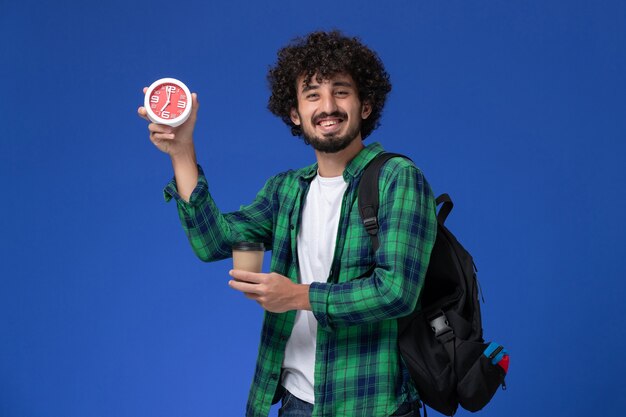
327	54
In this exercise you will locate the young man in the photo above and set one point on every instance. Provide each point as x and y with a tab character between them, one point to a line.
329	338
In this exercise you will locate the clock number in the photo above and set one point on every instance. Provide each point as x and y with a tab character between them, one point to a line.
181	104
154	99
165	115
170	89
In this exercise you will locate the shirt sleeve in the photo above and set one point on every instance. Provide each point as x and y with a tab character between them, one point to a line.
407	219
212	233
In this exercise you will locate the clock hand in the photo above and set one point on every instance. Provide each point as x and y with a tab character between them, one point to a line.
169	94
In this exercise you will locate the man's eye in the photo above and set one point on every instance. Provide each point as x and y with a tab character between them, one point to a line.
311	96
342	93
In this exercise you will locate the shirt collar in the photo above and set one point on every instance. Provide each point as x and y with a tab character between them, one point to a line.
354	168
361	160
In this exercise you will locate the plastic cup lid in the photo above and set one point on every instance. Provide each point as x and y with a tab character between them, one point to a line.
249	246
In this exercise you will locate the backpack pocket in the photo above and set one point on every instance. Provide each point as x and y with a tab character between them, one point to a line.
482	380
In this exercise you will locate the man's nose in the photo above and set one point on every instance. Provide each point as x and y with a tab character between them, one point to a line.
329	104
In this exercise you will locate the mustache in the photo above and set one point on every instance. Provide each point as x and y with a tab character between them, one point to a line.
337	114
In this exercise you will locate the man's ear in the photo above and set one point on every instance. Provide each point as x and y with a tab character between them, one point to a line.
295	117
366	110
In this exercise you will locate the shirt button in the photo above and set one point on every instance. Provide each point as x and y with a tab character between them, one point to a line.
292	227
274	377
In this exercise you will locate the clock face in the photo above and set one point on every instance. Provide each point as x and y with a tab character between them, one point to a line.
168	101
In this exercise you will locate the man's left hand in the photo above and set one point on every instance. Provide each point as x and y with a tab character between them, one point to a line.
274	292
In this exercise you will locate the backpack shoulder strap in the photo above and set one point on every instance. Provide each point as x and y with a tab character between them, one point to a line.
368	195
445	209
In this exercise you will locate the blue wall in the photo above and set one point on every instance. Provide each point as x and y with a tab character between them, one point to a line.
517	109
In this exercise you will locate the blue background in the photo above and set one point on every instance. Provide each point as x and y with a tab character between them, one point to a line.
517	109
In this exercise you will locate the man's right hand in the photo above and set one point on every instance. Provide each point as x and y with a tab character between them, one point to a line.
177	142
174	141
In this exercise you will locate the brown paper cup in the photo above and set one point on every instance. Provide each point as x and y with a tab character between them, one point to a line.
248	256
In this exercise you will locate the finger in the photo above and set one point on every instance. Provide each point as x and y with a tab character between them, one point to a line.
160	137
160	132
141	111
194	105
244	287
247	276
157	128
145	89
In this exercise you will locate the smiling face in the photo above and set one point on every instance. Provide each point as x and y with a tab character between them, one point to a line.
329	112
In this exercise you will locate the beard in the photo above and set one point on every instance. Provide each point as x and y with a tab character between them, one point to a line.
331	143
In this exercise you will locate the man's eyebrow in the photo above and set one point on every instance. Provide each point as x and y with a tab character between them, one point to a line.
342	84
309	87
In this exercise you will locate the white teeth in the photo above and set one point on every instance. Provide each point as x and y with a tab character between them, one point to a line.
327	123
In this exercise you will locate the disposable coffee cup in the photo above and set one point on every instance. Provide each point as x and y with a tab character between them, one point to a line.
248	256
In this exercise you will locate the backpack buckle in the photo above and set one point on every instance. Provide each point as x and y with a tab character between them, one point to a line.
440	326
371	225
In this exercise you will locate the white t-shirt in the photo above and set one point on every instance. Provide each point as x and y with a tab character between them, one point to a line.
316	247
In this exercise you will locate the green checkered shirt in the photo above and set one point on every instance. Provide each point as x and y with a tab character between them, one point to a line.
358	369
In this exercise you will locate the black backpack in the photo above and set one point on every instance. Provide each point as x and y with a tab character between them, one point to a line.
441	342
